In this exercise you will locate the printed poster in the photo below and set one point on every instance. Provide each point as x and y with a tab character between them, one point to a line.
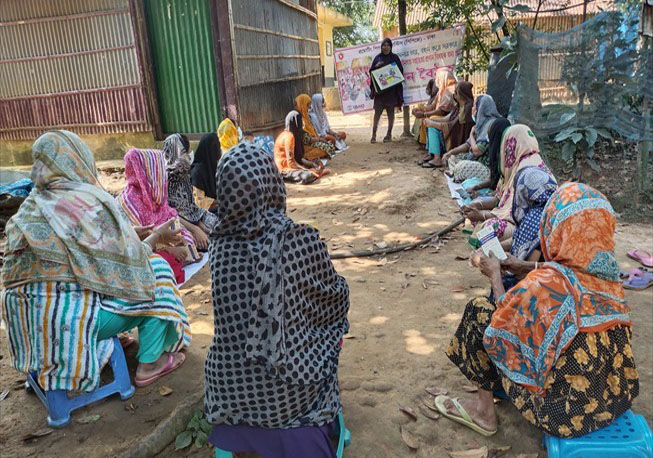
421	55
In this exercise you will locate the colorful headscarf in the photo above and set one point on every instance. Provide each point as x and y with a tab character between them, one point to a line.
228	134
486	113
301	105
145	197
177	153
445	81
318	116
71	221
533	188
519	149
577	290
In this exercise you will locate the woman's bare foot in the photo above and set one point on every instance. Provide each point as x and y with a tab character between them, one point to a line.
483	414
147	370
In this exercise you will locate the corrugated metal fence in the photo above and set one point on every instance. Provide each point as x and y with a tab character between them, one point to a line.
276	57
70	64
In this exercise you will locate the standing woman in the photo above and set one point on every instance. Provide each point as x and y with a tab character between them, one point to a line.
389	99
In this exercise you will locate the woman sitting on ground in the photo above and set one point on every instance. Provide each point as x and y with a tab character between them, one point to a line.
321	123
445	104
559	342
519	149
280	311
315	146
145	202
202	171
289	154
471	159
495	135
419	129
179	157
73	262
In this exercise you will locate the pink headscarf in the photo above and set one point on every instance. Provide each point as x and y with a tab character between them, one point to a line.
145	198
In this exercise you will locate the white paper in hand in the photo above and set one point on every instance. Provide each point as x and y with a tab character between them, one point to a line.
490	243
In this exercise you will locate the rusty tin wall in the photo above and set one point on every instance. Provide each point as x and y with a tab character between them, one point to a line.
276	57
69	64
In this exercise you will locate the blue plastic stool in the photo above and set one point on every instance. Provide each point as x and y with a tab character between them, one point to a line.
628	437
59	405
344	439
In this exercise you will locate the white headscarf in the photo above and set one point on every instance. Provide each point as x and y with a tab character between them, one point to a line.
318	116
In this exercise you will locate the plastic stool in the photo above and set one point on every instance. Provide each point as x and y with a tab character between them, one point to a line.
59	405
344	439
628	437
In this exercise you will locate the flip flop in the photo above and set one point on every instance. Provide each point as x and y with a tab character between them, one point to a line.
464	419
638	280
165	370
641	256
428	165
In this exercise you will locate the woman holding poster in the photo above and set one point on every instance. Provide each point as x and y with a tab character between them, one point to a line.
387	96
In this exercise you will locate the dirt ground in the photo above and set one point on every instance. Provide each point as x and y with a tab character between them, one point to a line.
404	309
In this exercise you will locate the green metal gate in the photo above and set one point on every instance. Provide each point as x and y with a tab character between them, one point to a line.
184	64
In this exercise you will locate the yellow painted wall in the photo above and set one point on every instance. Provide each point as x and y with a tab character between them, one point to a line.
324	34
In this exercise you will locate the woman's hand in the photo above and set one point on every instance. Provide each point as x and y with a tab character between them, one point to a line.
179	252
471	213
509	263
201	239
167	234
446	157
144	231
490	266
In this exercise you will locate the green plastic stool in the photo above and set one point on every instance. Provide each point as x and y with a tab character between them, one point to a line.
344	439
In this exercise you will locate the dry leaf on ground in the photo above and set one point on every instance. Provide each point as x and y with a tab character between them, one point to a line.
473	453
435	390
498	451
470	388
409	411
131	408
528	455
409	439
428	413
4	394
429	402
165	390
88	419
37	434
457	289
461	258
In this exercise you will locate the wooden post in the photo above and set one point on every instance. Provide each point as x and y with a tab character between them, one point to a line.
402	31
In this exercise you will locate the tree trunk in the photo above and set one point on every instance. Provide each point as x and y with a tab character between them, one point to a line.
402	31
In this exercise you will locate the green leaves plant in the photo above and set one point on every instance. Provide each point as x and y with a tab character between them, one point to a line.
183	440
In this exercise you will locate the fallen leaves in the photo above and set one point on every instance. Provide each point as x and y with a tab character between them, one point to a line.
165	390
457	289
409	411
470	388
428	413
88	419
435	390
37	434
409	439
4	395
131	408
429	402
461	258
483	452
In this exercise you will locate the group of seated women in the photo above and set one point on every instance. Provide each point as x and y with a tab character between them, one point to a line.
81	266
554	335
302	149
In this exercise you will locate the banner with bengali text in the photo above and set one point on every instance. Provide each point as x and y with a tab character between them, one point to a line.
421	55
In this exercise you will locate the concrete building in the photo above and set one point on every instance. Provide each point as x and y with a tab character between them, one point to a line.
327	20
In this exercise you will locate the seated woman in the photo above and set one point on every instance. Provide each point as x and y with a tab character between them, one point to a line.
420	113
495	135
178	157
202	171
321	124
445	105
315	146
280	311
289	154
74	265
470	159
559	342
519	149
228	135
145	201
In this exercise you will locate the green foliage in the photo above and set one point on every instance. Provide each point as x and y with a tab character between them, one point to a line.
197	431
361	12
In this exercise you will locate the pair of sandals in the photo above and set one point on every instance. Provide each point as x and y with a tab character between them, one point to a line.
386	139
427	163
640	278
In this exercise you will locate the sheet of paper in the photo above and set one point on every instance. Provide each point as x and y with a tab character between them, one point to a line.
490	243
195	267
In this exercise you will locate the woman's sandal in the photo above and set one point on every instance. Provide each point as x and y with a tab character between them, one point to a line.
165	370
641	256
464	418
429	165
638	280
